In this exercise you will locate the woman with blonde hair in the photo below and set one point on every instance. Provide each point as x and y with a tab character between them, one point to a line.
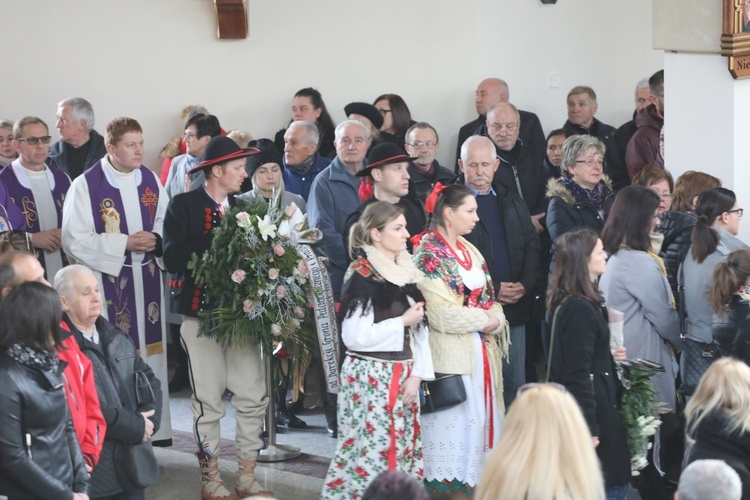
718	418
544	453
385	332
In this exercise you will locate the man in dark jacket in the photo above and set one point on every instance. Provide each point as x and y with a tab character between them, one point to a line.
627	129
582	107
521	168
422	144
132	413
302	161
643	148
490	92
509	244
80	146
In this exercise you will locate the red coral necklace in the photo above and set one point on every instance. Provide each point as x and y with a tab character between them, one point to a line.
464	262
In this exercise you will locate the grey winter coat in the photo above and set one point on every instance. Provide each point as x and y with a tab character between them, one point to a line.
635	284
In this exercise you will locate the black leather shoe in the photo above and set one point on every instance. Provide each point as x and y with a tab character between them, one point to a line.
282	418
296	423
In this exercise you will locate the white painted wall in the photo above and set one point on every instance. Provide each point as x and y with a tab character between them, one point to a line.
148	59
707	123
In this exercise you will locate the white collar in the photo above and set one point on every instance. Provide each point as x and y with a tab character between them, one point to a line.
112	174
20	172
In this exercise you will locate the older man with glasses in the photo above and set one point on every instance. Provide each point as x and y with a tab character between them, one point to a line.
422	144
521	168
38	191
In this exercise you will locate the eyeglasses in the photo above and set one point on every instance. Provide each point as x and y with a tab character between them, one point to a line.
384	112
189	136
498	127
534	385
592	162
738	211
664	196
33	141
420	145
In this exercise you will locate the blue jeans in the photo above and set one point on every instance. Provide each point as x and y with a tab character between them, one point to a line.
514	369
617	492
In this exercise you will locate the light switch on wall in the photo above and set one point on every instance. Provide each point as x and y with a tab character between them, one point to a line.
554	80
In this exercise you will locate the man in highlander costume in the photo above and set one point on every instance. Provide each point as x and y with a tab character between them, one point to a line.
213	368
112	224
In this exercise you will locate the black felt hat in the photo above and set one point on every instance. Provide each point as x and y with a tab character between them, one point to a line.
367	110
267	154
382	154
222	149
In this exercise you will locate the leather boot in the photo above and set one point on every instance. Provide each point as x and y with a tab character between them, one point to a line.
212	486
247	484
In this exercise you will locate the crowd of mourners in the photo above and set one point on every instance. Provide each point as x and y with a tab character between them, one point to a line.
486	308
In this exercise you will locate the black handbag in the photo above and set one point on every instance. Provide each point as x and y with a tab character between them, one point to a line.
696	356
135	465
446	391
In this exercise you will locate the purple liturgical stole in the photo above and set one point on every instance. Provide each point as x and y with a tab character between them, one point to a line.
10	216
119	290
23	199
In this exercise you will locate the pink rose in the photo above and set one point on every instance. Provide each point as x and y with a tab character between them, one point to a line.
248	306
242	216
278	250
299	312
276	329
302	267
281	291
238	276
273	273
289	211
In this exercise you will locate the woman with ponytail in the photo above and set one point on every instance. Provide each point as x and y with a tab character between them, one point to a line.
388	354
730	299
714	238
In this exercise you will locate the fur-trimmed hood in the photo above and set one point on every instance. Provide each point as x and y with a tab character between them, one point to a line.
556	189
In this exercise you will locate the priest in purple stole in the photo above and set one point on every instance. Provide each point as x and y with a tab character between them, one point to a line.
38	191
112	223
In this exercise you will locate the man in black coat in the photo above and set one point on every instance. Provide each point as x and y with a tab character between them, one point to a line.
521	169
388	170
490	92
509	244
422	144
80	146
132	411
582	107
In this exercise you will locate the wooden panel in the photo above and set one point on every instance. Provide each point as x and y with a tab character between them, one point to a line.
231	19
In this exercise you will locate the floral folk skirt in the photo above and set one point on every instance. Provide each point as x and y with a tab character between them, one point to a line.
376	432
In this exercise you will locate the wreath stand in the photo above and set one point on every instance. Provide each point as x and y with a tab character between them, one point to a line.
274	452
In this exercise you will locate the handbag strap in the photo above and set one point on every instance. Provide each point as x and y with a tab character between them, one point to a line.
552	339
681	311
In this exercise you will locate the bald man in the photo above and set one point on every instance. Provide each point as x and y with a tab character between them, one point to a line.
490	92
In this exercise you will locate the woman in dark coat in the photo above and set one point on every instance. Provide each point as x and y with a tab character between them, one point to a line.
718	418
583	195
39	454
581	359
